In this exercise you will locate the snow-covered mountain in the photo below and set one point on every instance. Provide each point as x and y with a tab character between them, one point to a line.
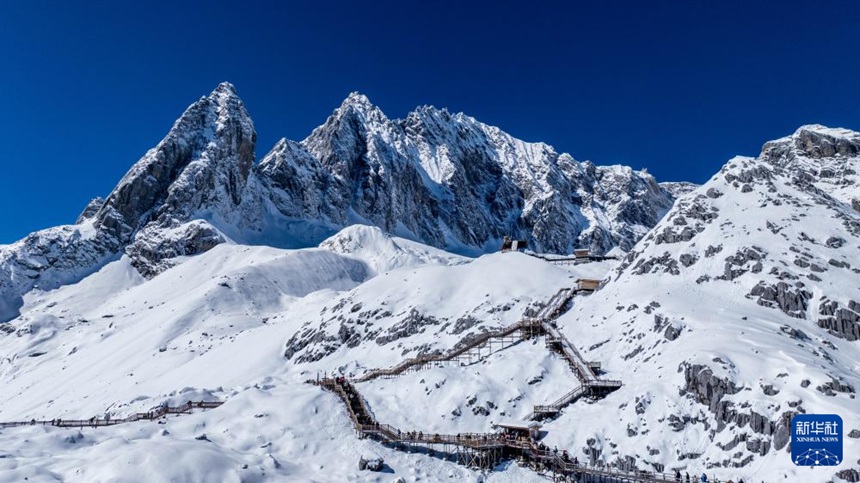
217	325
179	199
206	276
445	180
738	310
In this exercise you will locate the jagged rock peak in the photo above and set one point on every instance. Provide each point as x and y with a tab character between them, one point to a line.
826	157
814	141
428	112
356	99
356	111
209	148
830	131
225	88
352	129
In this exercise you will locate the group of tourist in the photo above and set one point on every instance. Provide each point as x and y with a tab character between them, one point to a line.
702	479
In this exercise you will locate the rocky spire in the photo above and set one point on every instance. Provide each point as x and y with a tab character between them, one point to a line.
340	143
202	164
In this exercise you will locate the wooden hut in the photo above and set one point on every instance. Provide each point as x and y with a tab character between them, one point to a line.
582	253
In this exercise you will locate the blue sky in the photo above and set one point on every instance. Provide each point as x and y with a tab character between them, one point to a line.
677	87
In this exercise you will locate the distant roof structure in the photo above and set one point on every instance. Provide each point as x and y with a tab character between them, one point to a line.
519	425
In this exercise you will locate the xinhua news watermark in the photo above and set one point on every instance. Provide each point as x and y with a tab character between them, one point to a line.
816	440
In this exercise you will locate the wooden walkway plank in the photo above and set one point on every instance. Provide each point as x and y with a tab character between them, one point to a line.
486	449
94	422
499	444
542	323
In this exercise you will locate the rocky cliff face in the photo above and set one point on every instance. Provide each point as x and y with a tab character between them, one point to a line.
678	188
198	172
444	179
757	264
453	182
827	157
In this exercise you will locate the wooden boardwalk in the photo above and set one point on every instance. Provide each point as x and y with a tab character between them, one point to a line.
479	450
486	450
568	260
469	352
542	323
94	422
525	328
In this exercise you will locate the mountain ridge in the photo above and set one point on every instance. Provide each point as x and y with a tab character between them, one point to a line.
737	310
446	180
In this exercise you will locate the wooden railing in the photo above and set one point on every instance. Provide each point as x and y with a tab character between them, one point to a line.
563	401
551	310
572	260
577	362
511	446
590	383
95	422
479	340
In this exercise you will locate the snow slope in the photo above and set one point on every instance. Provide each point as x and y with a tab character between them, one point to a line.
737	311
266	433
384	253
454	399
175	327
407	312
215	327
180	322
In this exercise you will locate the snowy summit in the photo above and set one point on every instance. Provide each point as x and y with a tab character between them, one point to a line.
258	317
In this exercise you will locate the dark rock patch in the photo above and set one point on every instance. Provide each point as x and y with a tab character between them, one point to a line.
842	322
835	242
791	301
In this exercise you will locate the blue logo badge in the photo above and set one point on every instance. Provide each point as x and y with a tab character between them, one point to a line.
816	439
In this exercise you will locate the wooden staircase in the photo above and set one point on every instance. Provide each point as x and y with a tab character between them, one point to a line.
485	449
469	351
542	323
527	327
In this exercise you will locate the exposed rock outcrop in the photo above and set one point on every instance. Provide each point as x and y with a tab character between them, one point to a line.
92	208
841	321
793	301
